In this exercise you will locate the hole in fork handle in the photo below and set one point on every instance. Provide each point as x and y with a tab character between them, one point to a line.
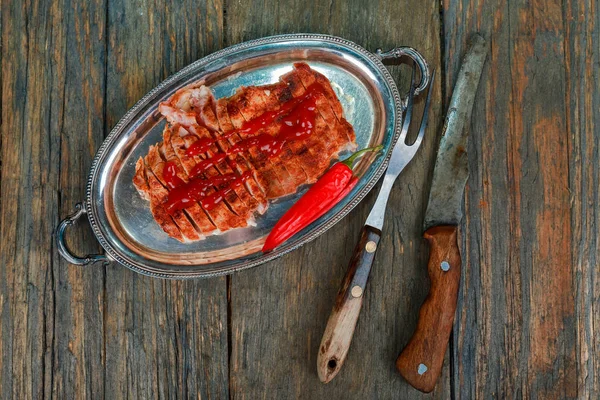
332	364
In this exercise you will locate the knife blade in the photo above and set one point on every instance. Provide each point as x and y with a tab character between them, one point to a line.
420	363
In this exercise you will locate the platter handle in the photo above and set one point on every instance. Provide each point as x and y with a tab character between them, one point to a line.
64	251
394	55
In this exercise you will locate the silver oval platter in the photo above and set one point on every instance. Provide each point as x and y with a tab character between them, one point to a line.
121	219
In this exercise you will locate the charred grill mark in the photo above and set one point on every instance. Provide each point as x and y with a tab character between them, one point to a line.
294	87
286	95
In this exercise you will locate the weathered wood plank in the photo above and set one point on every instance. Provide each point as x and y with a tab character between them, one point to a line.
582	58
42	310
515	334
485	257
279	311
163	338
77	368
24	131
528	310
59	334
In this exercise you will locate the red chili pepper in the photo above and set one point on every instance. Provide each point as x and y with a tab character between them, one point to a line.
332	187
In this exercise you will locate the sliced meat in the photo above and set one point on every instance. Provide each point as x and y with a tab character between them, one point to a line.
257	186
220	215
234	197
310	76
177	116
247	104
181	98
328	105
270	177
194	116
160	215
217	116
196	106
251	103
139	180
202	101
315	152
196	212
159	193
204	104
329	93
237	161
338	134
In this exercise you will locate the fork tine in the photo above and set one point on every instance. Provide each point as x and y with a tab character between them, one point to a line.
409	106
425	112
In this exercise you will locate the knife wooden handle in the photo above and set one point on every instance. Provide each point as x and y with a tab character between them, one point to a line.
420	363
342	321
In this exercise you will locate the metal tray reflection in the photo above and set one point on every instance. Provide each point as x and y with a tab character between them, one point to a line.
122	221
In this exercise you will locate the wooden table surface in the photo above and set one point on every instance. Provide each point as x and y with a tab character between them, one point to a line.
528	318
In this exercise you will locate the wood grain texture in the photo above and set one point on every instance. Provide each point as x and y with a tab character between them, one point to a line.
528	314
46	149
517	334
582	65
29	171
72	332
279	311
77	352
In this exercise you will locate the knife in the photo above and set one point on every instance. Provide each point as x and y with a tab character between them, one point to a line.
420	363
342	321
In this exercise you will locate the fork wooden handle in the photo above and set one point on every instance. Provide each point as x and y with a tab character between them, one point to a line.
420	363
342	321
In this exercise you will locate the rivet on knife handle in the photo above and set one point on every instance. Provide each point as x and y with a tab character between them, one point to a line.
342	320
420	363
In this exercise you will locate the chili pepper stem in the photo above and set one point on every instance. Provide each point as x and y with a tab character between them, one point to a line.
336	183
349	162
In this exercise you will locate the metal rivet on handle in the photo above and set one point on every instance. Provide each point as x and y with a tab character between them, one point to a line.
356	291
422	369
371	246
445	266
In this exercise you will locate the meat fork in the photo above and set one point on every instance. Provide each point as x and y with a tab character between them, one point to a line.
342	321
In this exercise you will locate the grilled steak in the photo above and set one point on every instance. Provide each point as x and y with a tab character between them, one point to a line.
221	161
